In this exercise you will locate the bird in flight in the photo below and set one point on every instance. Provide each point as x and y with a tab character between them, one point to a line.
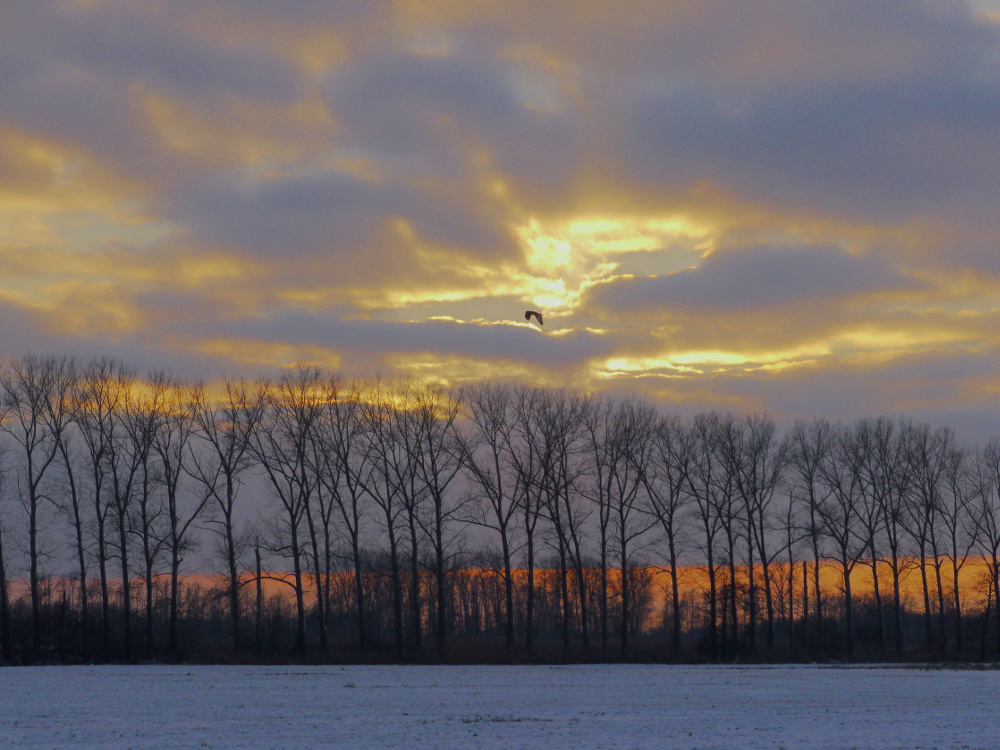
529	313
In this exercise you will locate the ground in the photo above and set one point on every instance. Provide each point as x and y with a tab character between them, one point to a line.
635	706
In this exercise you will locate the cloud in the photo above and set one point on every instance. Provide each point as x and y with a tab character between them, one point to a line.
239	185
462	115
751	278
874	151
498	343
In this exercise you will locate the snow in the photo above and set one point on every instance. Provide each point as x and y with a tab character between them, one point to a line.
634	706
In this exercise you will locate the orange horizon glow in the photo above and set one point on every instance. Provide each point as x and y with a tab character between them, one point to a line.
693	584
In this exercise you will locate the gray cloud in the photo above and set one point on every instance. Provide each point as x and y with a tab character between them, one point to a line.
755	278
334	227
435	114
127	43
310	145
438	337
869	151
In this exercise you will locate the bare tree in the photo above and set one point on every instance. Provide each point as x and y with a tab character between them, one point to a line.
283	448
226	429
927	461
172	443
810	443
386	480
956	514
707	483
126	458
794	532
886	481
986	516
27	387
629	432
605	421
97	398
6	649
558	416
406	432
143	411
734	520
490	465
897	477
438	463
871	439
665	484
758	461
345	466
59	417
840	512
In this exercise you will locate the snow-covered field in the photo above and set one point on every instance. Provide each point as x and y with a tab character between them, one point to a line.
498	707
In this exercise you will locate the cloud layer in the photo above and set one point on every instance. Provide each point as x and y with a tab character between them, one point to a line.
777	205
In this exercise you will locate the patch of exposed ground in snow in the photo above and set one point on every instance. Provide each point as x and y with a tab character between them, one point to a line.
498	707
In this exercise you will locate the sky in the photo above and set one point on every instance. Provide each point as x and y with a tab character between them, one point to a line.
779	205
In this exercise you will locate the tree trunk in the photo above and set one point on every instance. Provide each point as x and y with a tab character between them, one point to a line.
897	606
234	585
791	606
713	636
6	652
940	597
175	568
675	596
849	606
397	589
564	594
604	590
877	590
986	621
36	605
102	557
418	638
508	585
751	585
581	581
996	596
625	602
359	589
259	609
147	555
929	640
805	605
102	564
126	583
439	574
300	605
529	636
958	608
317	579
818	596
81	559
732	600
769	602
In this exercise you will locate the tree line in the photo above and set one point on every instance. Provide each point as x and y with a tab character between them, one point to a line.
495	520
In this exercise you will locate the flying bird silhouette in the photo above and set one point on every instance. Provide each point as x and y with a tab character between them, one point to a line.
529	313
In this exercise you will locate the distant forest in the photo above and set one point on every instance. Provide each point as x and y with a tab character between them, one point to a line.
493	522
